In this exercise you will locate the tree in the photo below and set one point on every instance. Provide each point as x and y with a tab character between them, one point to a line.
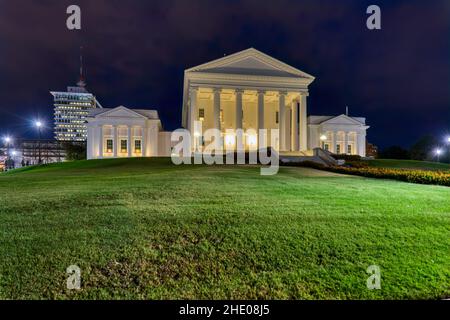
75	151
423	148
395	152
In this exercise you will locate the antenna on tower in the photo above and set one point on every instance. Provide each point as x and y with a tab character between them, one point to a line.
81	82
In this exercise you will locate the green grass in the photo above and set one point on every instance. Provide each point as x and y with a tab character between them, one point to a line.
409	164
145	229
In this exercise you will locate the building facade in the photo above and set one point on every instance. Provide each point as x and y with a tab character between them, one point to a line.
338	135
248	90
70	111
124	133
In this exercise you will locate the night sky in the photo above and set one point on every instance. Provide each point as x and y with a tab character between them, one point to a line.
135	52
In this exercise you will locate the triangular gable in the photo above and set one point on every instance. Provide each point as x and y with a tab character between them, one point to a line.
343	119
250	61
120	111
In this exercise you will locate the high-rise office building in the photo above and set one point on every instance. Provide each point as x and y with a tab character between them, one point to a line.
71	108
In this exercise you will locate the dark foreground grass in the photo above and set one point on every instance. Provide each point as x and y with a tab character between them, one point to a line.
146	229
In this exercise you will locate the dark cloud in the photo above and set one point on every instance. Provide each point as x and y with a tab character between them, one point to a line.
136	52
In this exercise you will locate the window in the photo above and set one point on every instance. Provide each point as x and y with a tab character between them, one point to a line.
109	145
123	146
326	146
221	115
201	114
137	146
277	117
338	149
349	149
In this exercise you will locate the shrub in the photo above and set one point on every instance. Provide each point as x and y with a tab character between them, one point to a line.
357	164
413	176
347	157
307	164
362	169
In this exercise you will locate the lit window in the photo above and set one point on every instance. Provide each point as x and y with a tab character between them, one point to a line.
137	146
123	146
109	145
201	114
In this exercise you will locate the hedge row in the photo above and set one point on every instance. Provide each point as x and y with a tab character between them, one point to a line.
408	175
413	176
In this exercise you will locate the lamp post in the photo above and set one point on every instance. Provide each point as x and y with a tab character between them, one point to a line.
7	140
38	125
438	153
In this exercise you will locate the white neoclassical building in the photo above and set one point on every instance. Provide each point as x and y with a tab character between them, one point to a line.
247	90
124	132
340	135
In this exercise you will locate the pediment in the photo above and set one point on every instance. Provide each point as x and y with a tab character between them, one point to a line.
120	112
343	120
250	62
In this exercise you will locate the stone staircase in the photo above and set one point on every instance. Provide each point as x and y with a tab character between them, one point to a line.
316	155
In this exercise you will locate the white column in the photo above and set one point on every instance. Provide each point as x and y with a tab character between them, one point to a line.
239	108
239	112
193	92
153	135
260	115
129	141
144	141
294	134
303	122
361	144
100	141
333	142
90	151
115	141
282	119
216	114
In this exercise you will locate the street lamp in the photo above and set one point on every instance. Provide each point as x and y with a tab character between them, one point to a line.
38	125
7	140
438	153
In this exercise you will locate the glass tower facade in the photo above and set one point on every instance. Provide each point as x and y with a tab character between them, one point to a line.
70	111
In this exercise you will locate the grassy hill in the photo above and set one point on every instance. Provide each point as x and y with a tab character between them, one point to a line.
409	164
143	228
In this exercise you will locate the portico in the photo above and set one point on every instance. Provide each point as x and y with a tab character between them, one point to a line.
250	91
339	135
122	133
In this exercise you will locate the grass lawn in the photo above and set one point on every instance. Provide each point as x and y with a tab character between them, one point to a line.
409	164
146	229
